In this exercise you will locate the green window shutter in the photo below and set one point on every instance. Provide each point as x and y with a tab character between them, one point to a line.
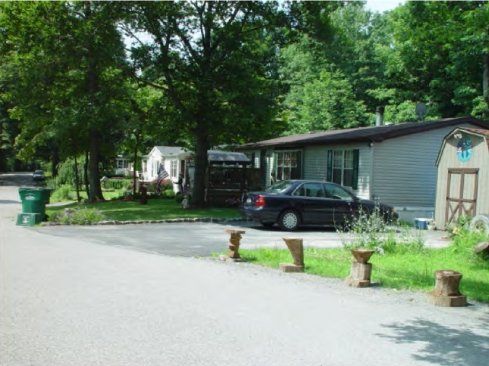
329	167
356	160
299	165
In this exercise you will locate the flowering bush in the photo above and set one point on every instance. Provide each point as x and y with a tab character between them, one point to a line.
82	216
369	230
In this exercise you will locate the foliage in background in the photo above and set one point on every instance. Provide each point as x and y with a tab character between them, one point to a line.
62	63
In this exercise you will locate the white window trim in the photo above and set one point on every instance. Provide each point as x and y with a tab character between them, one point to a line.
343	155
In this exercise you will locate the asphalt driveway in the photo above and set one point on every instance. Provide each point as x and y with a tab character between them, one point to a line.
185	239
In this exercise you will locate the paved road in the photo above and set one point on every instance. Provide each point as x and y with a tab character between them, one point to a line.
66	300
198	239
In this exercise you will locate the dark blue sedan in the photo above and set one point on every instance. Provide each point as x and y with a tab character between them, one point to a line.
292	203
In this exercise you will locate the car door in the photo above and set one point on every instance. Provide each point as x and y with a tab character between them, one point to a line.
339	200
308	198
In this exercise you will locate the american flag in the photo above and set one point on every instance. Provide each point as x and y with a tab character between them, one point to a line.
162	175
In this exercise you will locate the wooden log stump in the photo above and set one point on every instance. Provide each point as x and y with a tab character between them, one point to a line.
296	248
234	242
360	268
362	255
446	292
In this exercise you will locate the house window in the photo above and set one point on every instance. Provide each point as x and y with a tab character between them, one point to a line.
343	167
287	165
122	164
173	168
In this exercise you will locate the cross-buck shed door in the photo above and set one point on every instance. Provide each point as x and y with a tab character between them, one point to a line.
462	186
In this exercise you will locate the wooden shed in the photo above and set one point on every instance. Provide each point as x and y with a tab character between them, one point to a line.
463	175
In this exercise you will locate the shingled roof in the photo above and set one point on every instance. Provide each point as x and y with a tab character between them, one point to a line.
362	134
169	150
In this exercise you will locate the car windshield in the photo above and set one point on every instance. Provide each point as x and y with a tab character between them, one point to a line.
38	172
280	186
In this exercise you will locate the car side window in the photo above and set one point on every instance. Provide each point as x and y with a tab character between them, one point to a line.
309	190
337	192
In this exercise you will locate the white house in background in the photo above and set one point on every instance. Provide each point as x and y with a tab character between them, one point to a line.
394	164
122	165
170	157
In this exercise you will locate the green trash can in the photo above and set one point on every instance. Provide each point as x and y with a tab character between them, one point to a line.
34	200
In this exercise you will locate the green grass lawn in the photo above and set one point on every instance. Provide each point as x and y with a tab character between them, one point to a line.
156	209
413	271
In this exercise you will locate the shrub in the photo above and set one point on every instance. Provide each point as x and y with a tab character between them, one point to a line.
63	193
370	231
168	194
82	216
116	184
179	198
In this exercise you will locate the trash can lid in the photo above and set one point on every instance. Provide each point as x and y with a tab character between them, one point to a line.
31	189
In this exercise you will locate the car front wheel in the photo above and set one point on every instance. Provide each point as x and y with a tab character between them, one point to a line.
289	220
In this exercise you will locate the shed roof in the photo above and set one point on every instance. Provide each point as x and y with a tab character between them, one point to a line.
218	156
476	131
227	157
362	134
169	150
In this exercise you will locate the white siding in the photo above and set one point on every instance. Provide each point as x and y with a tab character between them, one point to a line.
153	162
404	171
316	161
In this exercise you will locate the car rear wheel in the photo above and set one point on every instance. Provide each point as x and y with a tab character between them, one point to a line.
289	220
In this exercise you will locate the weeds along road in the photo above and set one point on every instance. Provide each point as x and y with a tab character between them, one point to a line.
66	300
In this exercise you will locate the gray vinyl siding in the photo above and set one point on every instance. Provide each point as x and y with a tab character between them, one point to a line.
404	171
256	161
315	163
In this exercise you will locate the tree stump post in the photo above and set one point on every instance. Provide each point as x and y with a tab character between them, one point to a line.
446	292
360	268
234	242
144	195
296	248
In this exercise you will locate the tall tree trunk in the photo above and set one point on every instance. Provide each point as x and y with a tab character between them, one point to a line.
202	145
77	181
485	80
94	133
135	165
85	174
95	188
55	162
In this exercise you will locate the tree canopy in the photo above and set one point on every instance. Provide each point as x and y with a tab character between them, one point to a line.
96	79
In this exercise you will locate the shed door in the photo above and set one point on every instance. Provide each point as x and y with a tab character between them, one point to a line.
462	185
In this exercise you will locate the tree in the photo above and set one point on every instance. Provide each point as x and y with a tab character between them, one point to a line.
63	64
210	60
436	55
326	103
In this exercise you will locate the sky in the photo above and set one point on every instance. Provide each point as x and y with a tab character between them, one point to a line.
382	5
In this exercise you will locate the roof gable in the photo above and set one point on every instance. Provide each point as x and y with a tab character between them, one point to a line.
484	133
167	151
366	134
